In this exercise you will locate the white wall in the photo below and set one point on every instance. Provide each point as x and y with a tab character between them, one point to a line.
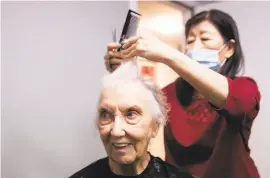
253	21
52	61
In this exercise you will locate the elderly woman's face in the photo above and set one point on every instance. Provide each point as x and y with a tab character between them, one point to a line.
125	122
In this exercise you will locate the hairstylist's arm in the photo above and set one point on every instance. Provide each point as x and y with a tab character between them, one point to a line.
112	59
210	84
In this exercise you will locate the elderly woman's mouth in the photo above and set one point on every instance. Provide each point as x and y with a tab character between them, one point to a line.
120	145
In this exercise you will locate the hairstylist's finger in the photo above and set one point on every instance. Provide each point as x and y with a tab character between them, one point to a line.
107	56
132	54
115	66
130	41
128	50
114	61
115	54
108	65
112	46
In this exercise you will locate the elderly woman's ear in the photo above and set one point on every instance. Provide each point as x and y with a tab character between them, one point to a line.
156	126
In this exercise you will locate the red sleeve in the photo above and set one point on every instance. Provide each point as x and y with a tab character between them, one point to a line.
243	98
169	88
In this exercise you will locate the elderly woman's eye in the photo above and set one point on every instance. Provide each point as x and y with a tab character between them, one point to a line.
132	114
105	117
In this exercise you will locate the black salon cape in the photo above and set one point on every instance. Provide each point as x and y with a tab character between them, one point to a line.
156	168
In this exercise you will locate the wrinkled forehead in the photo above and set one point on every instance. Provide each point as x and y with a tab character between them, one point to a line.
132	93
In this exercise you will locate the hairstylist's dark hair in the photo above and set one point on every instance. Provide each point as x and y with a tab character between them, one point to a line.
228	30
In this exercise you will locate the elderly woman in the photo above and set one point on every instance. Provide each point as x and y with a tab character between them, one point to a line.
130	111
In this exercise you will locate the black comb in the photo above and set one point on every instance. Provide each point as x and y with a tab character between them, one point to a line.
130	26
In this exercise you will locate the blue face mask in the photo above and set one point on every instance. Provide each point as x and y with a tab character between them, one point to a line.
207	57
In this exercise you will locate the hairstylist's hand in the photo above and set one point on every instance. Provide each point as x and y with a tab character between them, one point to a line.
148	47
113	59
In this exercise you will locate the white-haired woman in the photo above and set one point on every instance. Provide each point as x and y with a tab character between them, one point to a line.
130	111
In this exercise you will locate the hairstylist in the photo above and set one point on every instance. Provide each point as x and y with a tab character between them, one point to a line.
212	109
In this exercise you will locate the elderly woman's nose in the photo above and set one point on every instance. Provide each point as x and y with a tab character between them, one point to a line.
118	127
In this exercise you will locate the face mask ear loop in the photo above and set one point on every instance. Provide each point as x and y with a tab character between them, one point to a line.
223	62
222	47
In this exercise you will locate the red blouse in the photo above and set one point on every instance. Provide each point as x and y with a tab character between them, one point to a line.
212	143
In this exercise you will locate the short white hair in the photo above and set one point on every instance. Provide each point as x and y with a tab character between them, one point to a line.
127	73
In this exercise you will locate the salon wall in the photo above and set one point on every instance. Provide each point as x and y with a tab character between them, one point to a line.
253	21
52	61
